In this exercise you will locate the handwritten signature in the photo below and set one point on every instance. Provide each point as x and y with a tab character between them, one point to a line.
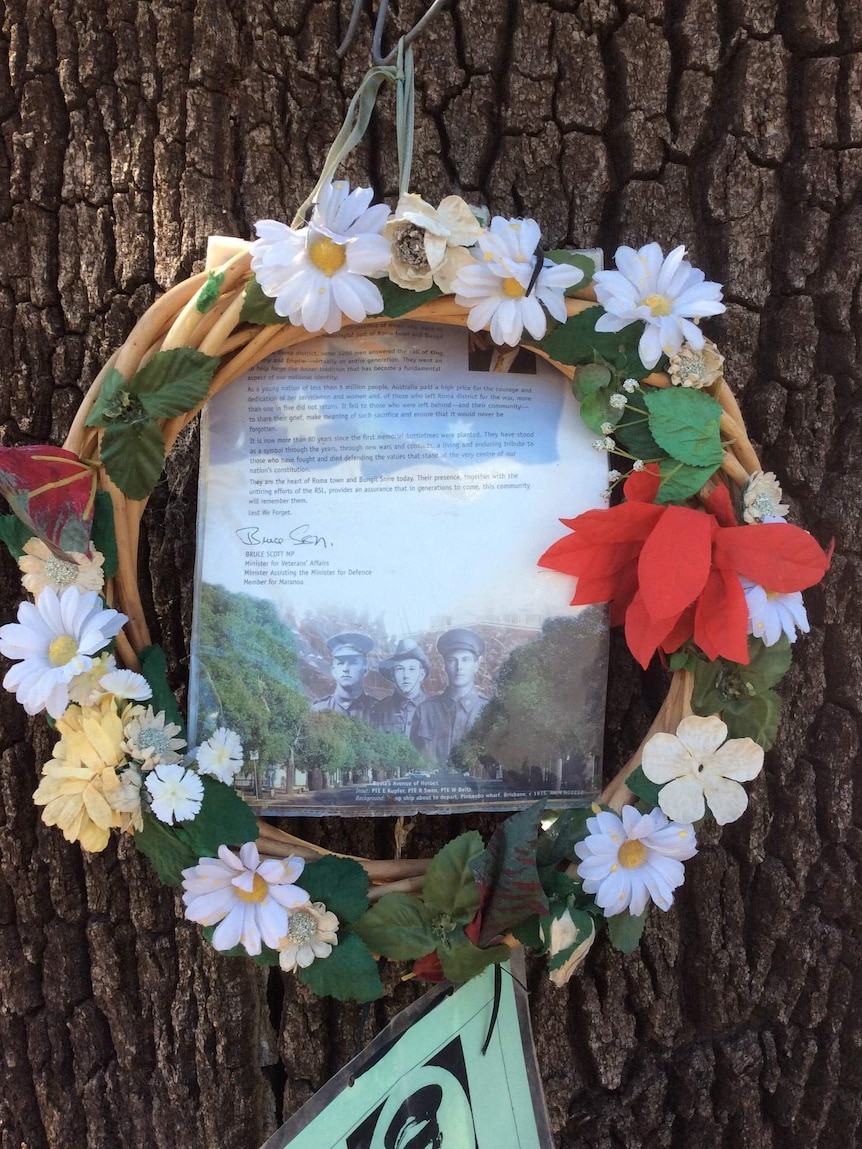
251	537
299	536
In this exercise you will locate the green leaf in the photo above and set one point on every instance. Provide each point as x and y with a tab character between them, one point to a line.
680	482
223	819
742	695
557	884
625	930
112	401
398	927
399	301
134	454
595	411
506	870
755	718
556	844
169	854
209	293
349	973
104	538
576	259
529	934
686	424
259	308
154	668
340	883
174	382
450	885
589	379
678	660
641	786
460	963
767	665
14	534
633	432
577	341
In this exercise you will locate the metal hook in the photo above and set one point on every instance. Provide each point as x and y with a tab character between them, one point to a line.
377	57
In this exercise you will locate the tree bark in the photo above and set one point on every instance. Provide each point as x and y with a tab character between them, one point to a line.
131	131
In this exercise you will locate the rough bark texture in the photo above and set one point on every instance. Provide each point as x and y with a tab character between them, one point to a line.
131	130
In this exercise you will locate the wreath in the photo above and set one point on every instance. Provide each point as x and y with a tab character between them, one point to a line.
694	558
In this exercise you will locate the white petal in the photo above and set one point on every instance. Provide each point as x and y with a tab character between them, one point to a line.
229	930
702	736
649	347
740	759
665	758
727	800
682	800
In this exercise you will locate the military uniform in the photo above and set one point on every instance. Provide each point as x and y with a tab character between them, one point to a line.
442	722
360	707
395	714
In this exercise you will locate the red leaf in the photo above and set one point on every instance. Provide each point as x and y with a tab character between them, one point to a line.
645	634
719	504
52	491
642	486
428	968
778	556
721	620
675	560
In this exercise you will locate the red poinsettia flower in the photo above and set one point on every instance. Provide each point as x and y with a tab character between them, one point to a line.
672	573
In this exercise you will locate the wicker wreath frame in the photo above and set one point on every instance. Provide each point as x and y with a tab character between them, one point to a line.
175	321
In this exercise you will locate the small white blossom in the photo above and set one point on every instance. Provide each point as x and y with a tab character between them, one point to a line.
126	684
699	766
664	293
607	428
618	402
311	933
614	475
176	794
771	614
761	499
630	385
638	465
221	755
606	494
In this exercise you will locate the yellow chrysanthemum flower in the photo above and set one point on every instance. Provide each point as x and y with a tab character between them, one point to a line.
80	781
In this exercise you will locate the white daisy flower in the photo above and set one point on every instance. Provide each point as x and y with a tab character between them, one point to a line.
249	899
150	738
697	767
627	861
55	640
126	684
221	755
771	614
761	499
495	289
430	245
175	793
317	274
311	934
41	568
664	293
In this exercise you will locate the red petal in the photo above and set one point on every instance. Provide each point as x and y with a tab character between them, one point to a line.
721	620
681	633
675	560
645	634
428	968
642	486
719	504
778	556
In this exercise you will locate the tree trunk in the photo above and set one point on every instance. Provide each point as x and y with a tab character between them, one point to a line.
131	131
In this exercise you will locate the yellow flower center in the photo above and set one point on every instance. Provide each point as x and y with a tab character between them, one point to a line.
632	854
658	304
327	255
773	594
513	289
257	892
62	650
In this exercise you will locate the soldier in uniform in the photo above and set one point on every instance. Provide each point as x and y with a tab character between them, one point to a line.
349	666
442	722
407	669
